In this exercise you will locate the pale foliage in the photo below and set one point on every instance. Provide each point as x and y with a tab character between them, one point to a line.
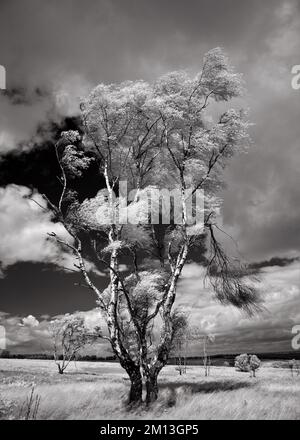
245	362
155	136
74	161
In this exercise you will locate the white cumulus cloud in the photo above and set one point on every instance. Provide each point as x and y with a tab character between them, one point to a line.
24	227
30	321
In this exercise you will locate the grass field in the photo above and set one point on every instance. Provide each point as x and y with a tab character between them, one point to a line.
98	391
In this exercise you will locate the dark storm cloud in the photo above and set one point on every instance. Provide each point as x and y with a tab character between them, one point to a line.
262	201
116	40
275	261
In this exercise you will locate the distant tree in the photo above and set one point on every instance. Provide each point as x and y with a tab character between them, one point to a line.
294	367
206	358
185	334
241	363
181	339
153	136
5	354
247	363
254	363
196	334
70	335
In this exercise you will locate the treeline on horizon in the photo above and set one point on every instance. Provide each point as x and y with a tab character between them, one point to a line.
216	360
5	354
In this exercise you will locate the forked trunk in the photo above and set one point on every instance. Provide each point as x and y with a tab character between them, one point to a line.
151	387
136	386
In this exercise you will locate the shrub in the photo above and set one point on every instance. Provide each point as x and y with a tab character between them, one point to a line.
241	363
246	362
254	362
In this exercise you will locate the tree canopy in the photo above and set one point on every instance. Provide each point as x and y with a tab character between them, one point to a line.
154	137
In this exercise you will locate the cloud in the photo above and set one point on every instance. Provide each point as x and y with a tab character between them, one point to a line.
26	334
30	321
24	227
261	204
19	121
234	331
268	331
275	261
22	111
30	335
284	41
94	318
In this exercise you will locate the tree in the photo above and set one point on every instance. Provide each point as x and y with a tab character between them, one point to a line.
254	363
206	357
197	334
294	367
5	354
70	335
154	137
246	362
181	339
241	363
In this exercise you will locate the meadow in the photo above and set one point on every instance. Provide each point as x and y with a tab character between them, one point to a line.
95	390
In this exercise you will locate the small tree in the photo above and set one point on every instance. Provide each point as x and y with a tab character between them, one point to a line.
293	366
241	363
247	363
181	338
196	334
206	357
254	363
4	354
70	335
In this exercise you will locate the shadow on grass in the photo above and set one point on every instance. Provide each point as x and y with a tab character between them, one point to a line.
206	387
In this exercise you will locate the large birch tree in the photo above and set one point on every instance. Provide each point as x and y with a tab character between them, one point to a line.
153	137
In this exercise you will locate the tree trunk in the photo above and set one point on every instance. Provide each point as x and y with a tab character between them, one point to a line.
136	387
151	387
60	370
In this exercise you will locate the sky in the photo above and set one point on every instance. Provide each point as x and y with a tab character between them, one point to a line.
55	52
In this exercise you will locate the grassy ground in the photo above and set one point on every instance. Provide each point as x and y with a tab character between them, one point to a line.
98	391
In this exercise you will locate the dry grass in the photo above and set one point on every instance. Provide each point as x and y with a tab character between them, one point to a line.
98	391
